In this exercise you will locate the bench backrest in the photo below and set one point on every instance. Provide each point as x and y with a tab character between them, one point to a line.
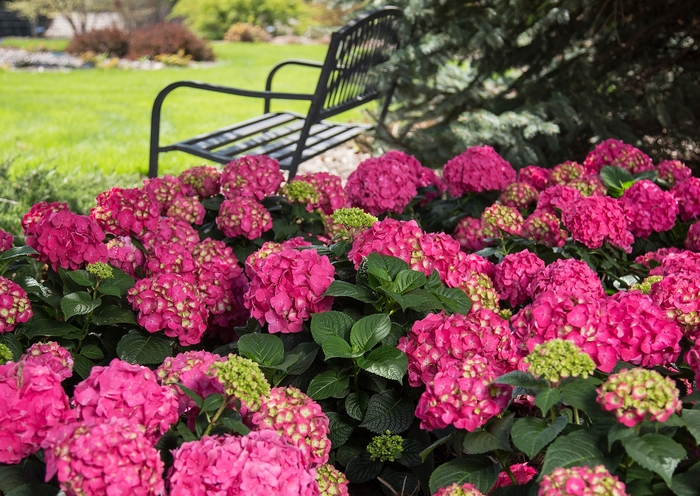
347	79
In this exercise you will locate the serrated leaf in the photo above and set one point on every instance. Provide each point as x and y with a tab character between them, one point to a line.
480	441
361	468
212	403
81	365
501	428
691	419
32	286
408	280
92	352
478	470
187	435
410	456
113	314
198	400
391	265
341	428
342	288
335	347
387	362
580	448
521	379
117	285
82	277
18	251
454	300
41	325
686	484
387	411
655	452
307	353
27	472
33	490
329	384
78	303
614	179
531	434
421	300
330	323
11	341
581	394
618	432
264	349
144	349
356	405
546	399
369	331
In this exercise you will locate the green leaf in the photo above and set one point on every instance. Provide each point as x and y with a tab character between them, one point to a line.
546	399
581	393
341	428
531	434
307	353
410	456
655	452
198	400
520	379
117	285
391	265
356	405
580	448
422	301
82	277
361	468
113	314
82	366
686	484
187	435
480	441
92	352
615	178
41	325
78	303
408	280
501	428
331	323
454	300
144	349
335	347
32	286
691	419
29	471
329	384
387	362
18	251
11	341
212	403
265	349
388	411
368	331
474	469
342	288
617	433
33	490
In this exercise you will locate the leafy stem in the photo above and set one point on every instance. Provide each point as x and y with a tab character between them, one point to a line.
215	418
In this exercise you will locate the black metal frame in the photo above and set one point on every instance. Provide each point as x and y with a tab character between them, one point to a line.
344	83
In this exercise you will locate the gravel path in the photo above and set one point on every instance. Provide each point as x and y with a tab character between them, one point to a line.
341	160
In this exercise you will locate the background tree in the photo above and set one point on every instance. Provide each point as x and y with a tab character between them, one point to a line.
544	80
74	11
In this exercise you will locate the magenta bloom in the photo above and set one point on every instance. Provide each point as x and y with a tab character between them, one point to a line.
32	401
581	481
556	198
537	177
522	472
692	240
499	220
122	254
673	171
692	358
470	234
567	276
677	262
595	219
187	209
252	176
515	273
687	194
589	185
52	355
201	181
169	303
6	240
171	259
15	306
331	195
422	176
656	256
518	195
38	212
382	184
243	216
169	230
389	237
619	154
566	172
165	190
64	239
545	228
110	456
288	288
649	208
455	489
127	391
126	212
478	169
679	296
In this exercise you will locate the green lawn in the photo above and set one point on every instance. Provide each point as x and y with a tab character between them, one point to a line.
99	119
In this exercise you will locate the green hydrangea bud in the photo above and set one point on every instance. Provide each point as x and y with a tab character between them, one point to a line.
100	270
242	379
645	285
300	192
558	359
5	354
506	313
385	447
353	218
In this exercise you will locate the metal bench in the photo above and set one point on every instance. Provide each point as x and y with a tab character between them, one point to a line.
346	81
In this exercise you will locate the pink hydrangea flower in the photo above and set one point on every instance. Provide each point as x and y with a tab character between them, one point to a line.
422	176
470	234
439	340
518	195
165	190
331	481
522	472
581	481
679	296
537	177
649	208
255	260
455	489
187	209
515	273
300	420
230	310
692	359
171	259
567	276
618	154
64	239
595	219
52	355
557	198
589	185
6	240
38	212
389	237
545	228
32	401
201	181
243	216
499	220
122	254
656	256
252	176
478	287
673	171
110	456
687	194
15	306
170	303
692	240
381	184
169	230
679	262
566	172
126	212
478	169
331	195
127	391
462	394
260	463
288	288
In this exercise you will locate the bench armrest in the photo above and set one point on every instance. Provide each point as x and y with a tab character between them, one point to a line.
268	84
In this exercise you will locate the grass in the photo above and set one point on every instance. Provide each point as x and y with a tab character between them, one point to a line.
50	44
98	120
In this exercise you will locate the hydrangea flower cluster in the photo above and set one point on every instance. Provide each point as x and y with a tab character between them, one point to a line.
68	240
498	219
100	270
556	198
15	307
329	187
518	195
478	287
252	176
567	276
201	181
288	289
171	259
52	355
331	481
581	481
618	154
462	394
6	240
681	262
243	216
478	169
589	185
692	240
635	395
300	192
6	354
558	359
645	286
122	254
455	489
469	232
544	228
687	194
256	260
679	296
381	184
692	359
106	457
566	172
537	177
649	208
423	176
522	472
595	219
124	212
673	171
242	380
165	190
187	209
127	391
169	302
300	420
32	401
38	212
386	447
656	256
389	237
515	273
170	231
259	463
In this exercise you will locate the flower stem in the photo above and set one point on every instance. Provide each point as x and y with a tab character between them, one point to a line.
577	420
215	418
